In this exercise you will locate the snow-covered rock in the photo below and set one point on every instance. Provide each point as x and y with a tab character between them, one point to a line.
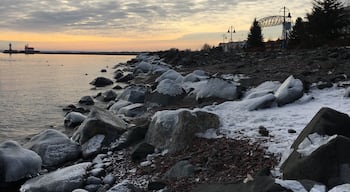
143	67
54	148
175	129
255	103
263	89
73	119
100	122
290	90
61	180
216	88
195	76
341	188
169	87
170	74
17	162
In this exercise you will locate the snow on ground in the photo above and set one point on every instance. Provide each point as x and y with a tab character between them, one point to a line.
238	122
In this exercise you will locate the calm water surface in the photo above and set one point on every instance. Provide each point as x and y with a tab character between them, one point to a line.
34	88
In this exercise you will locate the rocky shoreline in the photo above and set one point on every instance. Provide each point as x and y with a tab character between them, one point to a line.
155	135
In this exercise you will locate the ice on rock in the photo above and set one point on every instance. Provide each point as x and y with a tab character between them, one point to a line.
263	89
313	142
170	74
61	180
290	90
216	88
169	87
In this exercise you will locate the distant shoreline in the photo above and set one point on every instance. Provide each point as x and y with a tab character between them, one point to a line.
75	52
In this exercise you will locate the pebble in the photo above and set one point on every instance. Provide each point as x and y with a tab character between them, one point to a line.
109	179
98	172
93	180
92	187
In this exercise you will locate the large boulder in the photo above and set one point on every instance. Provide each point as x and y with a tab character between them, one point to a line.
291	90
265	88
109	95
167	92
17	162
133	110
54	148
175	129
61	180
118	105
320	151
216	88
133	94
170	74
100	122
93	146
195	76
73	119
101	82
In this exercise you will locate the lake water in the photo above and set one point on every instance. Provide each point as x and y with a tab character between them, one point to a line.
35	88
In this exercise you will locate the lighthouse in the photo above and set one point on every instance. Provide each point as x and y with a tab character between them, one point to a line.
10	47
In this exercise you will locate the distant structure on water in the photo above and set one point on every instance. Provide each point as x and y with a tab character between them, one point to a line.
27	50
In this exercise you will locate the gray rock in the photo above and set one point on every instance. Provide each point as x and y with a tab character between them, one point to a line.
109	95
132	136
181	169
118	105
93	180
62	180
54	148
104	188
87	100
93	146
134	94
290	91
318	152
100	122
92	187
101	82
175	129
126	78
73	119
141	151
98	172
109	179
133	110
17	162
124	186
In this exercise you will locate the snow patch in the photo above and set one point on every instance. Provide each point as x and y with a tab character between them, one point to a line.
313	142
293	185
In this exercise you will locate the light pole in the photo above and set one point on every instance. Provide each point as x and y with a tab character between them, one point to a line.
286	26
231	30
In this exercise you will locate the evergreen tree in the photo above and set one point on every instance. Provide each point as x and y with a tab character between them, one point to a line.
298	36
326	21
255	38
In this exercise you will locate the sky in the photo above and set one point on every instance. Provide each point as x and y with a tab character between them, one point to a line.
134	25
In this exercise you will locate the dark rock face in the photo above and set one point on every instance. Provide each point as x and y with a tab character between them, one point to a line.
101	82
54	148
100	122
163	99
109	95
126	78
73	119
141	151
133	110
326	162
174	130
17	162
134	94
180	170
87	100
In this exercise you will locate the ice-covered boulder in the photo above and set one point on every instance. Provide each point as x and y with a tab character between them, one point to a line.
73	119
134	94
167	92
291	90
17	162
54	148
101	82
143	67
170	74
62	180
320	151
216	88
175	129
100	122
263	89
169	87
195	76
256	103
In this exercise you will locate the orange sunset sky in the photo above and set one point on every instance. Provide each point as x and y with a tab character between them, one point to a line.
133	25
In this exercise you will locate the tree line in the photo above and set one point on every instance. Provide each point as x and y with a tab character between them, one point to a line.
327	25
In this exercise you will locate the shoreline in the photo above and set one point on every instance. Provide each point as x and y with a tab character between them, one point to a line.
76	52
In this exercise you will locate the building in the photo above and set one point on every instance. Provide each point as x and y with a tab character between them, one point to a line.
28	50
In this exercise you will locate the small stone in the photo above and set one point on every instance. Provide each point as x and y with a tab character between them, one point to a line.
93	180
291	131
103	70
92	187
109	179
104	188
98	172
156	185
263	131
117	87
